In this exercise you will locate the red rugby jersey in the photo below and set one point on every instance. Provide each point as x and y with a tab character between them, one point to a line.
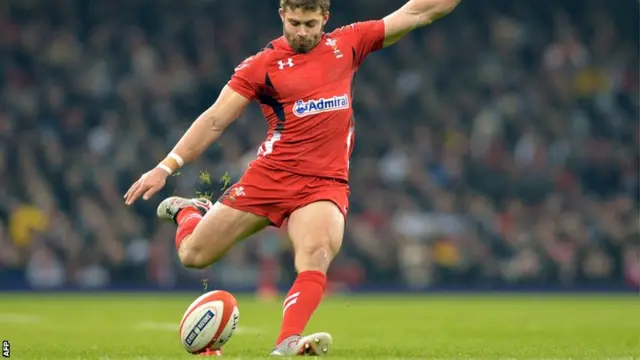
307	99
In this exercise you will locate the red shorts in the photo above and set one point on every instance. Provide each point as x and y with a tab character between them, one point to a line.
275	194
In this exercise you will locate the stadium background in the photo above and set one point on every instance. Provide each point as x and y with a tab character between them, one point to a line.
497	148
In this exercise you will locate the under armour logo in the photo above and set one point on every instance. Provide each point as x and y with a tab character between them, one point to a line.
282	64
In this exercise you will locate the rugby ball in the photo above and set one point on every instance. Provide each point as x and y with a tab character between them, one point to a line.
209	322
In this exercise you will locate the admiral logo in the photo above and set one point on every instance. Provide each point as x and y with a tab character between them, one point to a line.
193	334
304	108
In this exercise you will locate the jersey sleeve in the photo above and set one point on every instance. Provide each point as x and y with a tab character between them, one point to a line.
366	37
248	77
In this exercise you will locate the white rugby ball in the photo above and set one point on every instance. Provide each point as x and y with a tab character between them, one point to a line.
209	321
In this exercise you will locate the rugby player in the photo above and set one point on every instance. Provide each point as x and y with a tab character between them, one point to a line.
303	82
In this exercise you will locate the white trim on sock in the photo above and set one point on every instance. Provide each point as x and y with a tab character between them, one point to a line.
290	300
191	216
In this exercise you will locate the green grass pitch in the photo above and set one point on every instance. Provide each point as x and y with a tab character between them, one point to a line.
134	326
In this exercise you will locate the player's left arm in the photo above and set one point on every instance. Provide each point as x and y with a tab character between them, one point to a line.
414	14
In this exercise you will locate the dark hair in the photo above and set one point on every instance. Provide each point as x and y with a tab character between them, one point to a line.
311	5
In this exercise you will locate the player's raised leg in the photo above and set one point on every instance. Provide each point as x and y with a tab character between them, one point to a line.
316	231
207	231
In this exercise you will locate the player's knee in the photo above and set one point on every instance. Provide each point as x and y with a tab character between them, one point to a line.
314	256
192	257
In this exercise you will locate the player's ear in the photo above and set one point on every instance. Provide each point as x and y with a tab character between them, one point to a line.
325	18
281	13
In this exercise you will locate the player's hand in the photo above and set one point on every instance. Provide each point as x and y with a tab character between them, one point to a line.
147	186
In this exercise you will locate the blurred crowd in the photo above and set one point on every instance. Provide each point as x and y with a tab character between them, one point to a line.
498	146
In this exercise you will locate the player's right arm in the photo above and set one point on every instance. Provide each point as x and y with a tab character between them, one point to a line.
207	128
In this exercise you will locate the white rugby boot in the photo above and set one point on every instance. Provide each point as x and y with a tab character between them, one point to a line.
169	207
311	345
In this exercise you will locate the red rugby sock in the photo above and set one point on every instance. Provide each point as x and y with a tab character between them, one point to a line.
300	303
187	219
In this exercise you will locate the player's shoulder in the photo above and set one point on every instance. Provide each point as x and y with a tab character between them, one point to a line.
355	29
258	60
345	30
278	45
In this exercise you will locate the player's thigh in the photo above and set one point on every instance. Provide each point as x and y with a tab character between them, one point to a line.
316	231
220	229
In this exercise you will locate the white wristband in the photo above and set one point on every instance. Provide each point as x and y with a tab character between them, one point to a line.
177	158
165	168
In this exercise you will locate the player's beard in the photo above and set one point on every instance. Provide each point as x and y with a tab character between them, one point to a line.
302	45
